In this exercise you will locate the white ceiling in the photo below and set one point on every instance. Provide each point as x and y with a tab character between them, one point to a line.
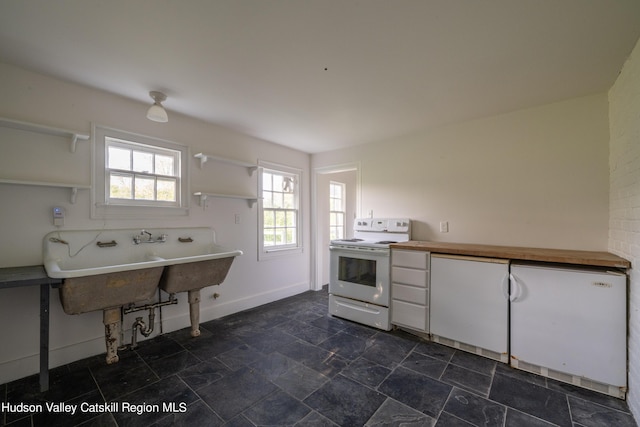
319	75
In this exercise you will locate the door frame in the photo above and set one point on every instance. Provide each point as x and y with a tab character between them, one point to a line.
319	219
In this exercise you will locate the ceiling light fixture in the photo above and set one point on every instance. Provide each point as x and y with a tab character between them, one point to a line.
157	112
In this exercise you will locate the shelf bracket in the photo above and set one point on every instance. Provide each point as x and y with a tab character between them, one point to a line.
74	142
74	194
203	160
203	201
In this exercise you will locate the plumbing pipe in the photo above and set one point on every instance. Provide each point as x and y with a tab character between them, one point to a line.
139	324
132	307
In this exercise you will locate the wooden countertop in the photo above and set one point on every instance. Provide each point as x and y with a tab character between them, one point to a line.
565	256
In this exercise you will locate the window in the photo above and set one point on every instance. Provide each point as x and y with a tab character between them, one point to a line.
337	212
280	213
138	176
141	173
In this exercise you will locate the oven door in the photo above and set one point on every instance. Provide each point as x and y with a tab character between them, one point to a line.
361	274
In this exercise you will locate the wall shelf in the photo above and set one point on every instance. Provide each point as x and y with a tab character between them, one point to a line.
204	158
251	200
73	136
73	188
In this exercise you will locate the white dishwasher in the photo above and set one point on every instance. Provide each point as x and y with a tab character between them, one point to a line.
570	324
470	304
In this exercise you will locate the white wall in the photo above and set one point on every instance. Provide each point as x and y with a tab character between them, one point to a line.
624	200
25	213
536	177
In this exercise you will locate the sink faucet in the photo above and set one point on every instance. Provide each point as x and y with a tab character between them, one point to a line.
137	239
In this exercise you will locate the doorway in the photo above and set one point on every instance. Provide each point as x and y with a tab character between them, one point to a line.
349	175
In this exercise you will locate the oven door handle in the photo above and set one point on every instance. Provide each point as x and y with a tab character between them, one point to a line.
374	251
367	309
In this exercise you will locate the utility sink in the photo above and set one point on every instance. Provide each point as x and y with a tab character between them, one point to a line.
108	269
199	265
111	268
197	271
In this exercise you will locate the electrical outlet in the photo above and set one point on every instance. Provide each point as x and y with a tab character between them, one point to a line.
444	226
237	218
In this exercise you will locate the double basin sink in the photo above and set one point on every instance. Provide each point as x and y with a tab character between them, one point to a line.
105	269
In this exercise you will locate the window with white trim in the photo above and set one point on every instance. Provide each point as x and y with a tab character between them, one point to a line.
134	173
139	173
279	206
337	212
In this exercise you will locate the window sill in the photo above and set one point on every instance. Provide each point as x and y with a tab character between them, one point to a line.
276	253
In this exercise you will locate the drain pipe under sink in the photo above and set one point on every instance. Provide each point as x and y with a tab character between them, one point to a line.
139	324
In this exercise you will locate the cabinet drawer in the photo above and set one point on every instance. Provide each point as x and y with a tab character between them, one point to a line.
409	294
409	276
412	259
411	315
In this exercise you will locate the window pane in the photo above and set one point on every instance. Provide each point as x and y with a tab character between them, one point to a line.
269	219
166	190
266	181
142	162
120	186
291	236
267	197
279	236
144	188
269	237
164	165
278	200
280	219
289	201
291	219
277	182
119	158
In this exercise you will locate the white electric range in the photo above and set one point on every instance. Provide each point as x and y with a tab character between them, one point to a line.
360	282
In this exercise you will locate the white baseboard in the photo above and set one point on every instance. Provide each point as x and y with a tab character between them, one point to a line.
19	368
230	307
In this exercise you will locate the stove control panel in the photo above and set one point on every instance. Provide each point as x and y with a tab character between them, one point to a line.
388	225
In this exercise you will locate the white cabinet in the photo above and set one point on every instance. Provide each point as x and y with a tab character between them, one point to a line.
410	289
570	324
470	304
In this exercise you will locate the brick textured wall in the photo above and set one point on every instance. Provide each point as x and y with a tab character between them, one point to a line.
624	199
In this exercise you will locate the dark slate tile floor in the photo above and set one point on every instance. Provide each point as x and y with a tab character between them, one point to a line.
290	364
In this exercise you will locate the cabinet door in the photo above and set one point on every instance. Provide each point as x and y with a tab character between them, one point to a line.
571	321
469	302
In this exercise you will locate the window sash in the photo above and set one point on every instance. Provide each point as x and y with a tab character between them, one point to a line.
337	213
129	170
280	212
